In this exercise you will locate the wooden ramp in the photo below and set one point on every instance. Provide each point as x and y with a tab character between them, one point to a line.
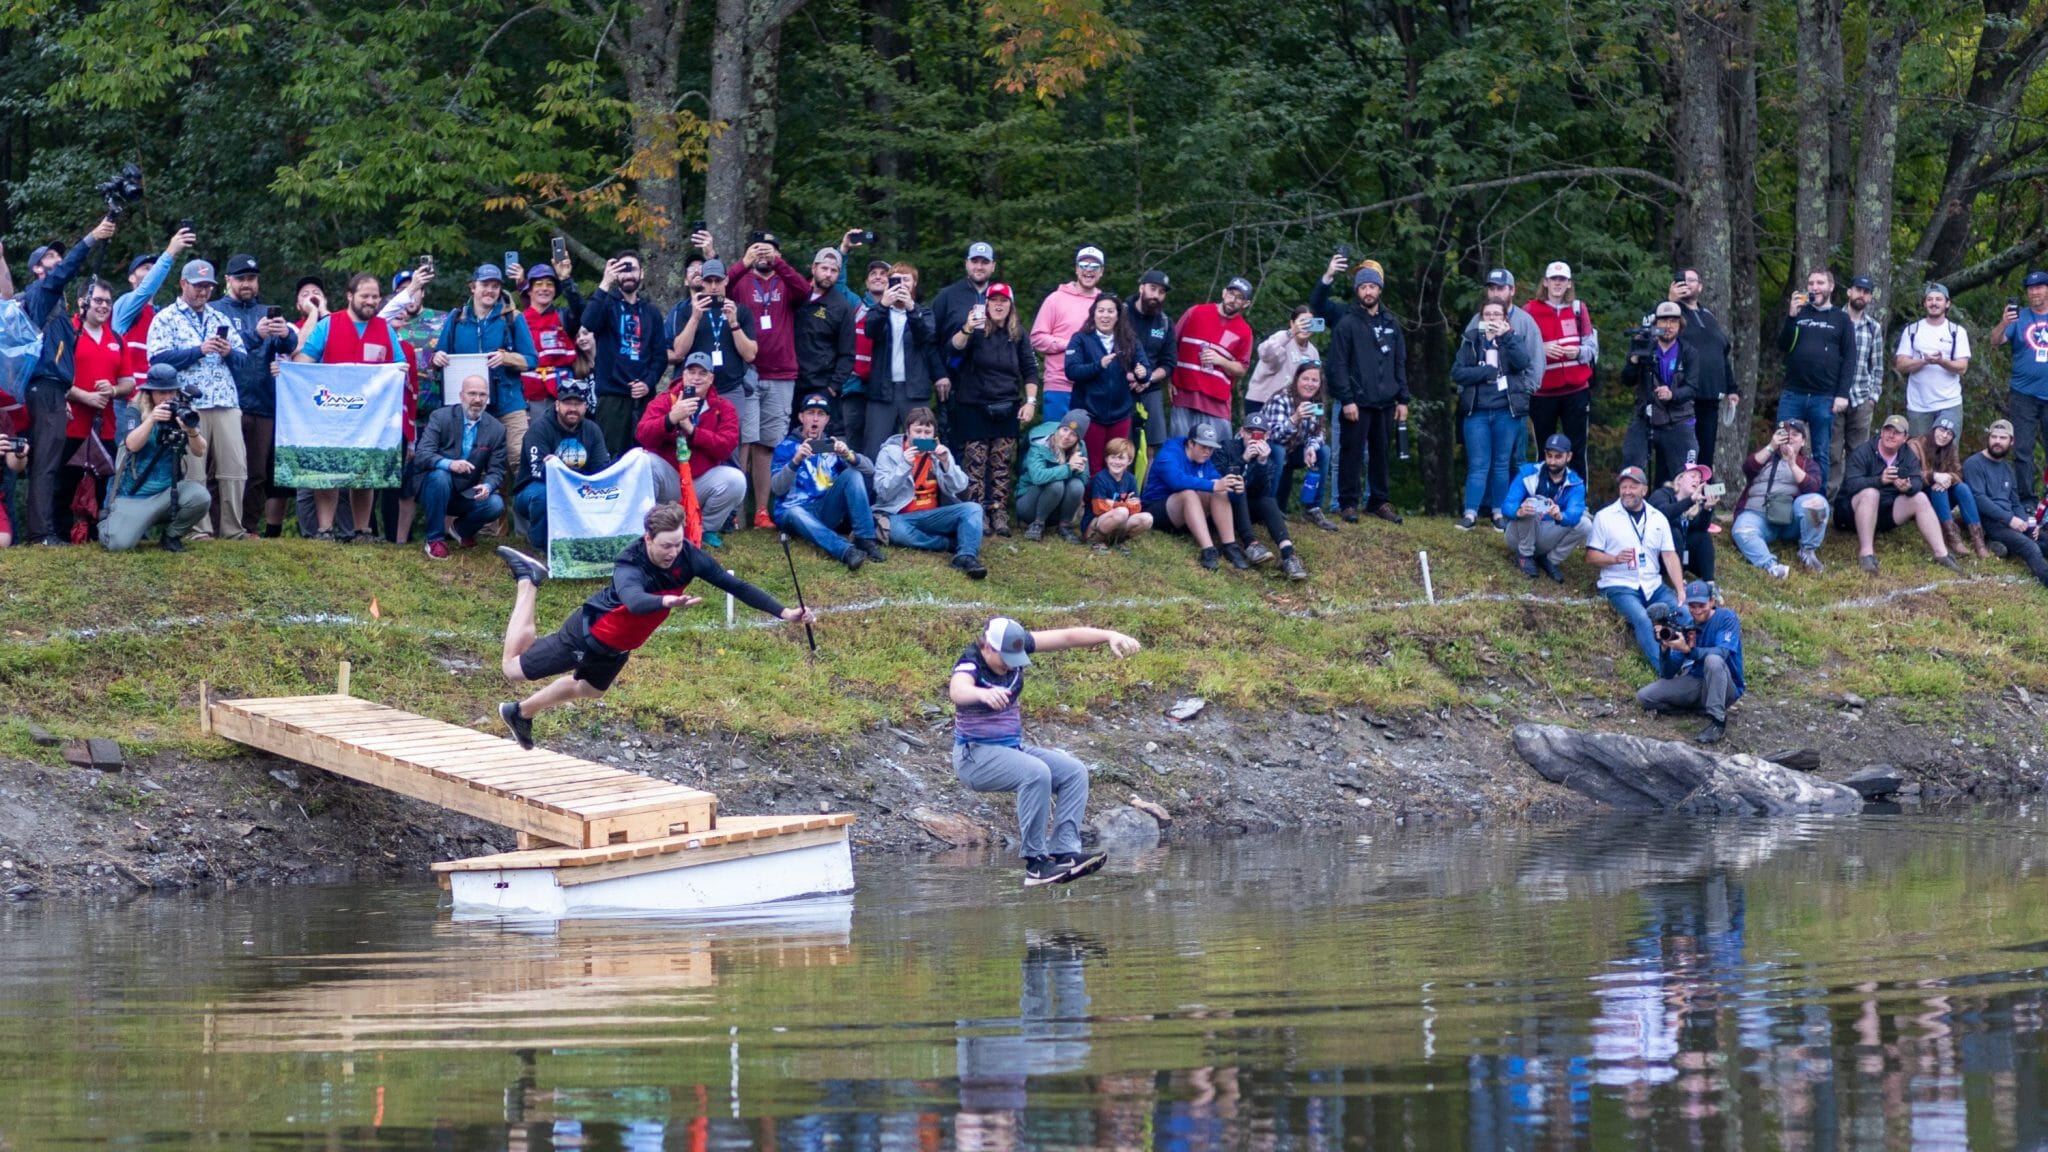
736	838
546	797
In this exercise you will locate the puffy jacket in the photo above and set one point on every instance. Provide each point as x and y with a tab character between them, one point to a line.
1063	313
1570	496
1105	393
713	441
1172	472
1357	369
1478	382
1042	465
1642	375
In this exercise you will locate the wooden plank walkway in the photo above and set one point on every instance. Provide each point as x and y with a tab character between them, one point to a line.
545	796
736	837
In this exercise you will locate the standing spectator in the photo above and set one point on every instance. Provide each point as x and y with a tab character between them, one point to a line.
357	336
1107	369
489	326
951	309
1571	346
1062	314
1368	376
1866	383
461	461
1689	509
553	315
631	357
133	312
1819	343
1547	503
147	492
1251	458
1212	348
100	383
919	484
1112	512
2005	507
824	330
411	320
1154	327
2026	397
1054	477
692	425
1490	368
852	416
1661	378
821	484
772	290
563	433
1500	289
13	459
712	325
1631	545
1883	486
1277	357
196	338
1186	494
1714	367
996	393
907	357
268	339
1933	354
1955	505
1781	501
50	381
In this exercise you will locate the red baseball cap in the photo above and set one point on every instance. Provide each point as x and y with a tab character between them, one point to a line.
1001	290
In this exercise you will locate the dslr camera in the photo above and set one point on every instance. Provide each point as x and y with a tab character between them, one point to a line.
184	418
123	192
1667	622
1642	337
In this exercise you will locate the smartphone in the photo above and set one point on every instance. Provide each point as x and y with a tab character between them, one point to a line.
559	249
1716	491
512	258
1318	324
220	333
697	226
865	237
1344	251
895	281
426	263
274	312
2012	303
820	446
185	225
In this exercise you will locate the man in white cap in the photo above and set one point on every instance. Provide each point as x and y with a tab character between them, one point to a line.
989	753
1933	354
1063	313
1570	346
200	341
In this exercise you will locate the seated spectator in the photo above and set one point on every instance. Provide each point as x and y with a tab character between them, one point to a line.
1782	501
1689	510
919	485
146	490
1955	506
561	431
1299	424
1882	488
996	392
1548	503
821	486
693	424
1107	367
1113	513
1631	545
1700	665
2006	520
1186	493
1250	457
461	465
1489	371
1054	477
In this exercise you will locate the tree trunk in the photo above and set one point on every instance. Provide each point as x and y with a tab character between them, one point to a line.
647	56
887	39
1706	236
1812	100
1841	117
746	43
1886	45
2008	52
1744	318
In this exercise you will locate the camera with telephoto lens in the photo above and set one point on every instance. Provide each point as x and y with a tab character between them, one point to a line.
184	418
123	192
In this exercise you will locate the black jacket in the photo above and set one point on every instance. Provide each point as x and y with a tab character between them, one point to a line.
1714	369
923	359
995	369
824	343
1155	334
1641	375
1367	363
1479	382
544	438
255	387
1820	351
949	315
43	301
1864	468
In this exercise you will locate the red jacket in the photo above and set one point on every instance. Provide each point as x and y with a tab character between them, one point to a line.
716	437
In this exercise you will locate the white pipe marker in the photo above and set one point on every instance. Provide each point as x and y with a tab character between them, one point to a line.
1428	591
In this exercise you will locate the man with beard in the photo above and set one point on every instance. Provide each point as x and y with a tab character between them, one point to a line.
952	308
630	359
2026	397
1064	313
2004	507
268	339
1866	382
1155	331
562	434
1213	347
357	336
1368	373
824	330
772	290
1500	289
1933	354
1631	545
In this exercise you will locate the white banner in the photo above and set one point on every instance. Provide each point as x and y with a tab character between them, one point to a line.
591	519
340	425
461	368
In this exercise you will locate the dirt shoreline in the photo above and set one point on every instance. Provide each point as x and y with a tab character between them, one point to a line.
171	823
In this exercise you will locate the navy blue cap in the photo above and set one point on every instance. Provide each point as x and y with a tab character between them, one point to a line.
1865	283
136	264
2035	279
1558	442
1699	592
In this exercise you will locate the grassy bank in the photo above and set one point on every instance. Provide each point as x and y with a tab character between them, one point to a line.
94	644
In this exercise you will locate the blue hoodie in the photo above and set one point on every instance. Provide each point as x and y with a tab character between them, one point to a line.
1571	496
504	329
1172	472
1722	635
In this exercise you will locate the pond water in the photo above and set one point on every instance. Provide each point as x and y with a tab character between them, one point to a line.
1868	983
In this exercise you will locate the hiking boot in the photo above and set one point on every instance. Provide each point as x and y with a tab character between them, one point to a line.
173	543
1868	563
1809	561
437	549
1952	536
972	565
1000	524
853	559
1042	870
1236	556
1467	522
1207	559
1526	565
1258	554
1293	567
1949	562
871	548
1075	865
1348	515
1386	512
1977	541
1321	519
524	567
1068	534
1712	733
1551	569
522	728
1035	530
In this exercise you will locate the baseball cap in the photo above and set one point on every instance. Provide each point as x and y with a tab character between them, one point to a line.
1558	268
1205	435
698	360
1155	276
712	270
1366	275
2035	279
161	378
577	388
136	264
1705	470
1794	424
315	282
1632	473
1863	282
198	272
399	279
1558	442
1897	423
243	264
1256	422
485	273
1009	639
1999	427
824	254
815	402
1501	278
1699	592
1668	308
767	238
1240	283
1001	289
981	250
1934	286
1089	254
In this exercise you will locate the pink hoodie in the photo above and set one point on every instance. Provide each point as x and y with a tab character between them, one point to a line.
1064	313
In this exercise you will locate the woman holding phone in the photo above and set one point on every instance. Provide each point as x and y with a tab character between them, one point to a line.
907	358
996	394
1107	369
1279	355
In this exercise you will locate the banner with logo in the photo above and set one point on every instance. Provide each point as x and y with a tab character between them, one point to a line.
591	519
340	425
461	366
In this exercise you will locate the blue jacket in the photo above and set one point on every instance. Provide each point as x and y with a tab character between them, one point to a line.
794	484
1101	392
43	302
1572	496
503	329
1722	635
1172	472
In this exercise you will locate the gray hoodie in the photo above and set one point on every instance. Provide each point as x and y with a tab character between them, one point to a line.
1524	327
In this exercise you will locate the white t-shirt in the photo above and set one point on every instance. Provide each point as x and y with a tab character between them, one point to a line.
1933	387
1614	530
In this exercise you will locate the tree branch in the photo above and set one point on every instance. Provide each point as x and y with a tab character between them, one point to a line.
1992	267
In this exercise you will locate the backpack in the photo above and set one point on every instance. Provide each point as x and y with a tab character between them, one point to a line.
21	345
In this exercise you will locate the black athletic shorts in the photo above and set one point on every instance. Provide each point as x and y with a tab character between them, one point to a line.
1161	522
1845	514
571	649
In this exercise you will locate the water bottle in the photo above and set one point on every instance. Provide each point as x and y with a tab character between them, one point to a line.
1401	439
1312	488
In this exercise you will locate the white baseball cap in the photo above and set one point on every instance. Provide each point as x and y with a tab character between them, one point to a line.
1558	268
1089	255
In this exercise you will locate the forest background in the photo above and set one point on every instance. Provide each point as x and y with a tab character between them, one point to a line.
1754	139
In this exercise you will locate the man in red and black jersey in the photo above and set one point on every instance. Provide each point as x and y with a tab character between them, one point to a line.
594	644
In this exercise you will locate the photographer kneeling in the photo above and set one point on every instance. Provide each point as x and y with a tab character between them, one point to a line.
146	489
1701	670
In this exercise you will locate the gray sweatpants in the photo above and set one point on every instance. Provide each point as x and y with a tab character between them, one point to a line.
1707	692
131	516
1529	535
1048	783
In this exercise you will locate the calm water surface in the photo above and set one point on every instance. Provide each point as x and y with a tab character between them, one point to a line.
1875	983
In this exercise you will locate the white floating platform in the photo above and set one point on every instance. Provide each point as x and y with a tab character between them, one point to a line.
745	860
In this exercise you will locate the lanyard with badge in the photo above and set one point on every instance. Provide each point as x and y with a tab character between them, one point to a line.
715	317
1646	559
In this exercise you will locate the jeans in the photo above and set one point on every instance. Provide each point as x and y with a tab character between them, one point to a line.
1754	535
1635	609
2020	545
818	521
1707	692
2029	422
531	502
439	498
1290	490
1961	499
954	528
1490	438
1819	413
1049	785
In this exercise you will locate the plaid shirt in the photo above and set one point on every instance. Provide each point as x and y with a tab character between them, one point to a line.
1868	383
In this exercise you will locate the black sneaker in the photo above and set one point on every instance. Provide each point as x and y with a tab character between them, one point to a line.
1526	566
522	728
1068	534
1042	870
871	548
971	565
1712	733
1034	530
1467	522
1551	569
1208	559
1293	567
1079	864
1236	556
853	559
524	567
173	543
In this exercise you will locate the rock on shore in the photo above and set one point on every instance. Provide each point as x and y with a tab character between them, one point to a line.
1660	775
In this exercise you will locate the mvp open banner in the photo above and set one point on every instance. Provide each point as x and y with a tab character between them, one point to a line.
340	425
591	519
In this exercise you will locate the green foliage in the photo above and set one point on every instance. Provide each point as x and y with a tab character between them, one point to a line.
303	466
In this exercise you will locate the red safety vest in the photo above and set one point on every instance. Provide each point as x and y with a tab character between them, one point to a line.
1571	325
863	348
557	354
374	345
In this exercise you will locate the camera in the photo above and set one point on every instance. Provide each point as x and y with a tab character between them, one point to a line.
1642	337
184	418
123	192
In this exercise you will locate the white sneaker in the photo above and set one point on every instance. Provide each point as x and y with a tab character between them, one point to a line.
1778	571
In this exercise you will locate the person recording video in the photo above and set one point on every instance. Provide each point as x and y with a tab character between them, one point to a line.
1701	669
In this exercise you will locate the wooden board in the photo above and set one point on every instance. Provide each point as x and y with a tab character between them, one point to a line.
730	830
544	796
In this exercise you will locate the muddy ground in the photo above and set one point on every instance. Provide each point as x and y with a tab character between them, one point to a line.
169	822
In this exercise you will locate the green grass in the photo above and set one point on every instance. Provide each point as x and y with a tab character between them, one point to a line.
94	644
